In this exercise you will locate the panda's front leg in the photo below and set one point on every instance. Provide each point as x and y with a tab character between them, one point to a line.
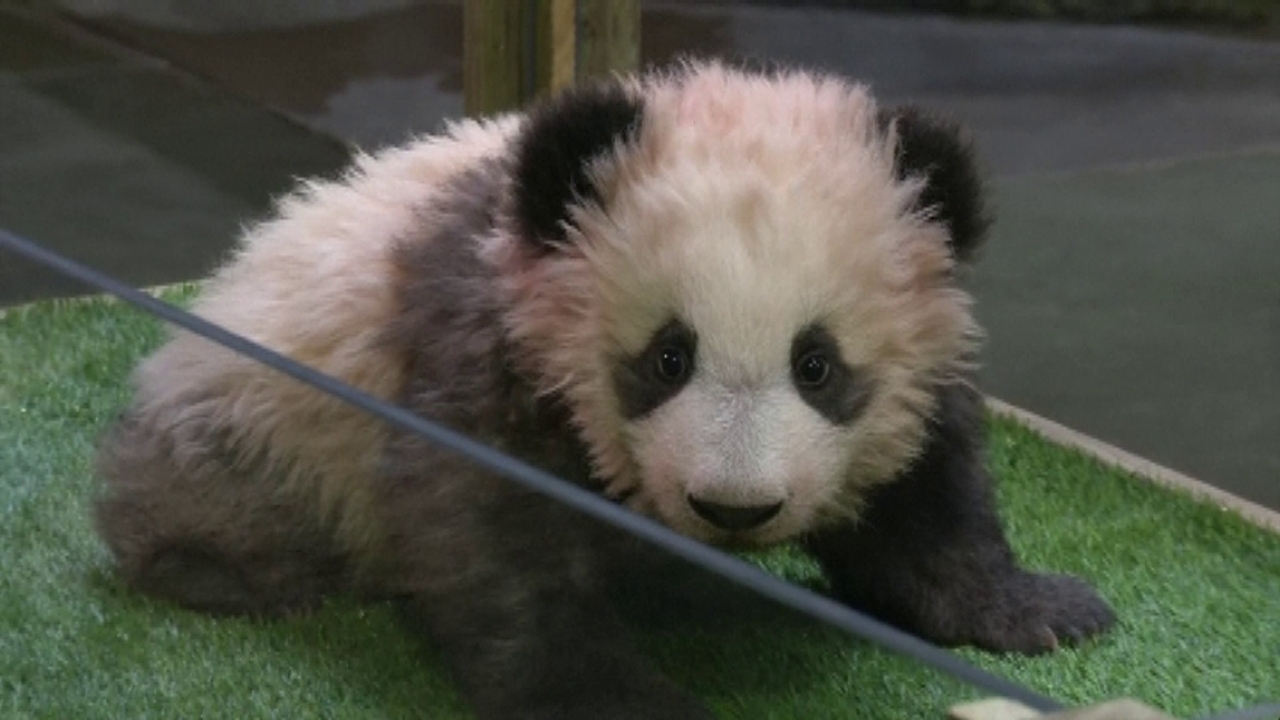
502	582
930	556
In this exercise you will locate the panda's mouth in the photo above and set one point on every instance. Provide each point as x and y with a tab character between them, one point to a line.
724	520
744	542
759	537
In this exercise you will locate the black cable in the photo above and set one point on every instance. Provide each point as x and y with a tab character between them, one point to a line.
727	566
1269	711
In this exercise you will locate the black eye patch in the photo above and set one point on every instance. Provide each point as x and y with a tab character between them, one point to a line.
657	373
824	380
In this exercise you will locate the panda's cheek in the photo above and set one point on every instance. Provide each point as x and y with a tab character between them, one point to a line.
812	457
809	493
662	452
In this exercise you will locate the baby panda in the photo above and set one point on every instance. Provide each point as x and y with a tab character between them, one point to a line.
725	299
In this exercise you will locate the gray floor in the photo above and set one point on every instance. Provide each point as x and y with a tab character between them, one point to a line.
127	165
1132	288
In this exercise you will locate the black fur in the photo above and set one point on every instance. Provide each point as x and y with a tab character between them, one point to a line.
209	535
846	391
554	155
938	150
635	380
929	553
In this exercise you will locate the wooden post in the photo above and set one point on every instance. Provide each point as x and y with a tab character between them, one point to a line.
494	54
558	37
609	36
515	50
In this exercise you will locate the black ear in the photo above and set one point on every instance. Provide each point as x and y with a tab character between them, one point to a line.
559	140
937	149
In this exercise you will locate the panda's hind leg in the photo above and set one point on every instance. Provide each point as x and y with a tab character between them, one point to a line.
206	533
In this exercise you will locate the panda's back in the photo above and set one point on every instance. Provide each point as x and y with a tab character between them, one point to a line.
312	283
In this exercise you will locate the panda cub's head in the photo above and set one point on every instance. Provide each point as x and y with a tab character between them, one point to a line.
742	286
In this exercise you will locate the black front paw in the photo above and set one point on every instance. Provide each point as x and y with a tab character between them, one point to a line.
1032	614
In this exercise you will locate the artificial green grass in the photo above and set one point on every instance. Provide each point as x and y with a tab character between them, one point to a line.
1197	590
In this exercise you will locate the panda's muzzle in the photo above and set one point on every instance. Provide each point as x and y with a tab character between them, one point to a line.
734	517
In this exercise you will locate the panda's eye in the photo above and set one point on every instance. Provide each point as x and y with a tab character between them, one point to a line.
672	364
644	381
812	369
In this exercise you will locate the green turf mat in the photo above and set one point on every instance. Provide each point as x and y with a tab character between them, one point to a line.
1197	589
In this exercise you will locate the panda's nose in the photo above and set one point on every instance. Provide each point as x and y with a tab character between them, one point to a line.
734	517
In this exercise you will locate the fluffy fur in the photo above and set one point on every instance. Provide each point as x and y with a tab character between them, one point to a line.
725	299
